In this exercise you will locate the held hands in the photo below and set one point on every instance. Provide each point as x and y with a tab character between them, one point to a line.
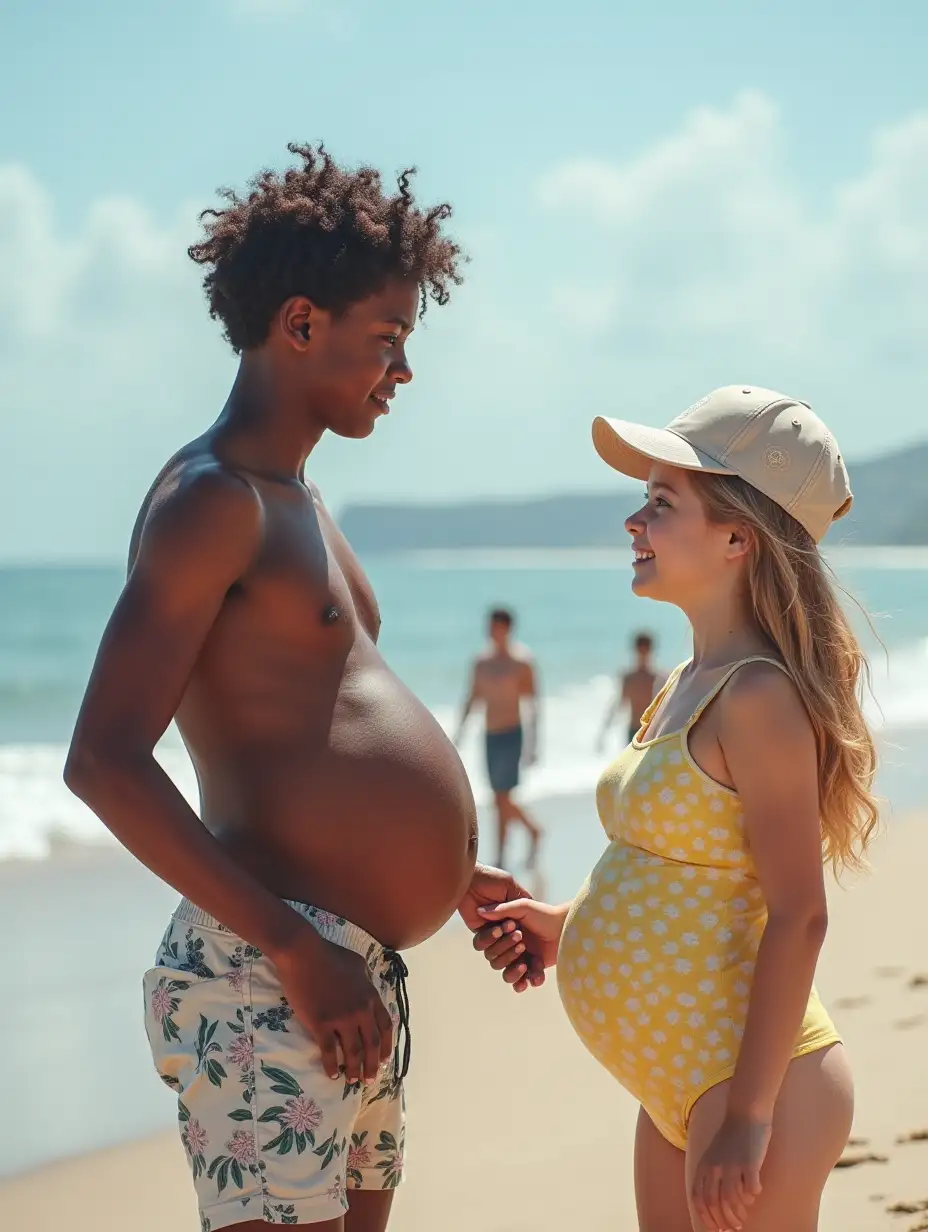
727	1177
330	992
521	939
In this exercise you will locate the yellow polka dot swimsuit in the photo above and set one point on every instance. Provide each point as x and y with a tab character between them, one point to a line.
657	955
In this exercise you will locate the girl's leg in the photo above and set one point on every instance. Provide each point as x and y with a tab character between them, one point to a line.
811	1123
660	1181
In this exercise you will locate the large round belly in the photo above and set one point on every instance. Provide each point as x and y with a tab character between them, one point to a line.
376	823
655	966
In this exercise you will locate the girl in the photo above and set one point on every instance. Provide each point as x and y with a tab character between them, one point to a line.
686	962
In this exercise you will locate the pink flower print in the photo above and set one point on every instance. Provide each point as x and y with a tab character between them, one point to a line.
161	1003
325	918
195	1138
337	1191
241	1147
236	978
303	1115
241	1051
359	1156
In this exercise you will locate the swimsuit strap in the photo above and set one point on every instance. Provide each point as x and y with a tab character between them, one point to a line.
648	713
727	675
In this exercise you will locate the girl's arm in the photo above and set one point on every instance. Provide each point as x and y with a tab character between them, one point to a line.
770	750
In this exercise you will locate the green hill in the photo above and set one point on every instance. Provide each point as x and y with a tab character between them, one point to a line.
890	507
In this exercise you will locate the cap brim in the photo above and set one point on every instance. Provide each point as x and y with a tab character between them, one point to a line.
633	449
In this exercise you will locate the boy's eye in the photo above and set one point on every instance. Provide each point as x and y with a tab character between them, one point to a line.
393	339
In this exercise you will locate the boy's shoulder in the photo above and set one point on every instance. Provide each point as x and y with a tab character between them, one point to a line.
195	491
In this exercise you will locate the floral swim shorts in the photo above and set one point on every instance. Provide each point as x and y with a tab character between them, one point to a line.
268	1134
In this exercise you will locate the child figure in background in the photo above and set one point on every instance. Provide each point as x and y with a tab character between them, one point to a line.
636	689
686	962
504	681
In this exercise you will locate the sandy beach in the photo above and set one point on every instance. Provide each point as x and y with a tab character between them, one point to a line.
512	1126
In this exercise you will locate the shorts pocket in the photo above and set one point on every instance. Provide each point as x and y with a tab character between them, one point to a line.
189	981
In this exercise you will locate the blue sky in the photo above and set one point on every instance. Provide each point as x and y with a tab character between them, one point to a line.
656	202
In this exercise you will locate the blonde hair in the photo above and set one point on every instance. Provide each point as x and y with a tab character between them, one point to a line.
796	607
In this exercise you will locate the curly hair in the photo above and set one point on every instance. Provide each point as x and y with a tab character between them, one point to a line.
319	231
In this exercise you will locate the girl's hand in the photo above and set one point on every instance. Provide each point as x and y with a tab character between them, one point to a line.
521	937
727	1178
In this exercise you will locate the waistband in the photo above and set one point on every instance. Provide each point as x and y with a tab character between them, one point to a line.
505	733
339	931
332	927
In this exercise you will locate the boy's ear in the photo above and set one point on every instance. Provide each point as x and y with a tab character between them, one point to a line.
296	320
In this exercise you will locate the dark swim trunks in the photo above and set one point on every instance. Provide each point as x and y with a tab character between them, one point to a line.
504	752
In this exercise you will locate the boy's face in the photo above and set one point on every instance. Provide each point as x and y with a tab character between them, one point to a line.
499	632
357	359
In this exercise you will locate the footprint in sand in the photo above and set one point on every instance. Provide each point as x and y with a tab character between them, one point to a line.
918	981
889	973
916	1135
911	1208
853	1159
905	1024
858	1142
851	1003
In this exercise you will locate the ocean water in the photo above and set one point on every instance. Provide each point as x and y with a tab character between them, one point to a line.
575	610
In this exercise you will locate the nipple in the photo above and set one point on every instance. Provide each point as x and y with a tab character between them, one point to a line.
330	614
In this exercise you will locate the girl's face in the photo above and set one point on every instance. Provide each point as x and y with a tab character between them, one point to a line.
680	555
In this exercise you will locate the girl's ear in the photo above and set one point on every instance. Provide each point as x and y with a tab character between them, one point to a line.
740	542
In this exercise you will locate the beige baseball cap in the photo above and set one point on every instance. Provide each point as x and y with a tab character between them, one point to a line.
776	444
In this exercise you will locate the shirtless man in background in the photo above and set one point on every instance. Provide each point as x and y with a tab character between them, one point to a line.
337	826
636	689
503	682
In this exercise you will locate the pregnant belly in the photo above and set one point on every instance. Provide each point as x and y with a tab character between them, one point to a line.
655	966
376	823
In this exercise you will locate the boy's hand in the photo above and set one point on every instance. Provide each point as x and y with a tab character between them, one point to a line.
521	939
330	992
488	888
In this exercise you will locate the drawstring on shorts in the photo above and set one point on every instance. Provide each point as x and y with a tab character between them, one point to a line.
398	974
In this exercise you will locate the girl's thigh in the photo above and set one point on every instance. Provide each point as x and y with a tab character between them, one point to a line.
811	1123
660	1181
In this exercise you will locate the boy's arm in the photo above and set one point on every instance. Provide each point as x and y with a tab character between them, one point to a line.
618	700
469	702
196	543
532	708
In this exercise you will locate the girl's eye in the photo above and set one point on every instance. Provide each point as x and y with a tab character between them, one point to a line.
393	339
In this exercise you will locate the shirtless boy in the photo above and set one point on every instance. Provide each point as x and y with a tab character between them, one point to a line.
503	682
636	689
336	823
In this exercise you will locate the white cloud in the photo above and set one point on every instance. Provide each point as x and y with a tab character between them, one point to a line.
706	246
107	356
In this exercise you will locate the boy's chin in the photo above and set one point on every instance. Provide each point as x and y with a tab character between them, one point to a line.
355	427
